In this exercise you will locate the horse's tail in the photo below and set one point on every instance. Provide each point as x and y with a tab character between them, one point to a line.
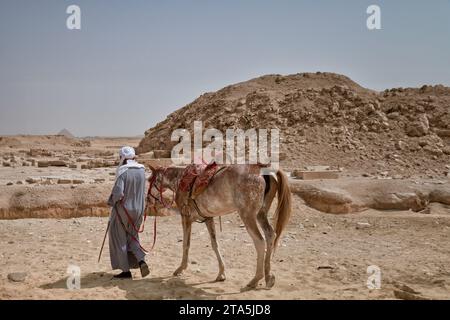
284	208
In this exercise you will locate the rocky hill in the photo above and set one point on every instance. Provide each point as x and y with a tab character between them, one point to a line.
328	119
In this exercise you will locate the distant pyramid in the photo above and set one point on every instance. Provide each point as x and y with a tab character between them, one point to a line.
66	133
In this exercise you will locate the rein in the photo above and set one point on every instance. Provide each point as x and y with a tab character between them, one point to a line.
130	220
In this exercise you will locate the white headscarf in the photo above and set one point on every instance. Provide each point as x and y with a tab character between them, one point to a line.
127	153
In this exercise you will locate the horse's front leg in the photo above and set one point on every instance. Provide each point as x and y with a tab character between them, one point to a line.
187	227
212	234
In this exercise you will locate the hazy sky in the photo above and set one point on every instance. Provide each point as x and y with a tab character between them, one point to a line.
134	62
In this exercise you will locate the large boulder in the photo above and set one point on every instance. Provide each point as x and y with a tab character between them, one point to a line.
441	196
326	200
17	276
400	201
418	128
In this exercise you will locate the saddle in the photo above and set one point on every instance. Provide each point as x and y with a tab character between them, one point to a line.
195	180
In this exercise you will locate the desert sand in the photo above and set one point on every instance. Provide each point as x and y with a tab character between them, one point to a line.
321	256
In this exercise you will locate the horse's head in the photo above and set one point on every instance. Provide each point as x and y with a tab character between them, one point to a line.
159	182
156	188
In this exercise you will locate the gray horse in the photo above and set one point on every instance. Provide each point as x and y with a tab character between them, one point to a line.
239	188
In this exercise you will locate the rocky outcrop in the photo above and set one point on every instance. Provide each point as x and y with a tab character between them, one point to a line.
330	201
441	196
355	196
327	119
400	201
54	201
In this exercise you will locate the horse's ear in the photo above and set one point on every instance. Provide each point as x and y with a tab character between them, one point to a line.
152	169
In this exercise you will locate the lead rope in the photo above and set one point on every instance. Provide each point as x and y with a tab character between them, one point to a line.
126	230
154	221
143	224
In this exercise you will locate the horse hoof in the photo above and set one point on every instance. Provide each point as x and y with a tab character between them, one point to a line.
221	278
252	285
178	272
270	281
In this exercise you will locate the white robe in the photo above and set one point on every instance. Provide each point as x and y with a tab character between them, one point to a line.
125	252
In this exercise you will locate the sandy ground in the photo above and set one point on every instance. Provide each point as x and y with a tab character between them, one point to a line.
322	256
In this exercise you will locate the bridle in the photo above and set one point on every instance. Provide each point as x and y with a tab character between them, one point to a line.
160	189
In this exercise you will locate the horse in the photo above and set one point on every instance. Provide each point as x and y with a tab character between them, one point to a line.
239	188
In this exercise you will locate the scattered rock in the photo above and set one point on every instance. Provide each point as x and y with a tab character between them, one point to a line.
64	181
400	145
325	267
433	150
34	152
443	133
98	163
42	164
446	150
17	276
418	128
362	225
57	163
31	180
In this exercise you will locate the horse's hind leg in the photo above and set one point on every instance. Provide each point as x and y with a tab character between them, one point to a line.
270	237
249	219
212	234
269	233
187	227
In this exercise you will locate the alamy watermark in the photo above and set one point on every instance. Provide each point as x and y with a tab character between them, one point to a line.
235	146
73	282
73	21
374	279
373	22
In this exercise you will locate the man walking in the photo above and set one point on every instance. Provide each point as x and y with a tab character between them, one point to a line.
128	205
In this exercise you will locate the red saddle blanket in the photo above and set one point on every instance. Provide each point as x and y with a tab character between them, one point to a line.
196	178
